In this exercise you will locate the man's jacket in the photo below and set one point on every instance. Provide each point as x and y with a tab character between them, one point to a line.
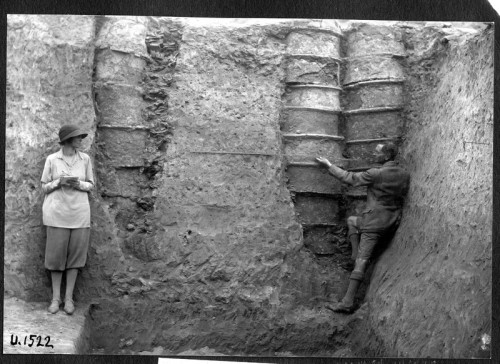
387	187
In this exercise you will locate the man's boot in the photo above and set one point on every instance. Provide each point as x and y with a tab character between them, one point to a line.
347	303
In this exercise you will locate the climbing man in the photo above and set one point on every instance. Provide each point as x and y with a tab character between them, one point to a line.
386	188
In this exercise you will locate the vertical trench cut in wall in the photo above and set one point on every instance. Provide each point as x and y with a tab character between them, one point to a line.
133	74
337	107
373	98
310	127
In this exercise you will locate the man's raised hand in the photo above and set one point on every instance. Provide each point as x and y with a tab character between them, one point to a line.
325	162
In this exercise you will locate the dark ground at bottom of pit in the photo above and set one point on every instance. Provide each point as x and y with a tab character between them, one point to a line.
301	332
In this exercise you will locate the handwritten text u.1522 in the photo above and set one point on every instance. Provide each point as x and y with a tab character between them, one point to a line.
31	340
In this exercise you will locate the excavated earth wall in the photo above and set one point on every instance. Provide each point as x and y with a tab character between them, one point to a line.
199	242
430	293
192	221
49	84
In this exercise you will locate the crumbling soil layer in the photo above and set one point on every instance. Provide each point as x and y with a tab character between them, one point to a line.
205	240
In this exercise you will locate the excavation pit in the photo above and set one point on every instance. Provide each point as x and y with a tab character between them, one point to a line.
214	229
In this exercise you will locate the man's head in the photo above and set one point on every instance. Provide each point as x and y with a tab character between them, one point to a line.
385	152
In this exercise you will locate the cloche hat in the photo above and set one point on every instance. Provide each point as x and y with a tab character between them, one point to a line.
70	131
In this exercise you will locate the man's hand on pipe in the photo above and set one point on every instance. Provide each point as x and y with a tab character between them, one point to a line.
323	161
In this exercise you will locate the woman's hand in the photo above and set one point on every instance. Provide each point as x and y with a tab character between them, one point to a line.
69	183
72	183
63	182
323	161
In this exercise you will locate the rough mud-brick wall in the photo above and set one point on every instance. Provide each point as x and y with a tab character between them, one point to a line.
431	292
220	237
49	84
222	213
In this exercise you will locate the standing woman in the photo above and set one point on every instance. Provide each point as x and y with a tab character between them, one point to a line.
66	213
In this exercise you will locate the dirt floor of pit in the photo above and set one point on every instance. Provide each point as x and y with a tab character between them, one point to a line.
283	334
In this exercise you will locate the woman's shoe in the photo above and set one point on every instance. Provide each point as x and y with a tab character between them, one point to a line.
54	306
69	306
341	307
